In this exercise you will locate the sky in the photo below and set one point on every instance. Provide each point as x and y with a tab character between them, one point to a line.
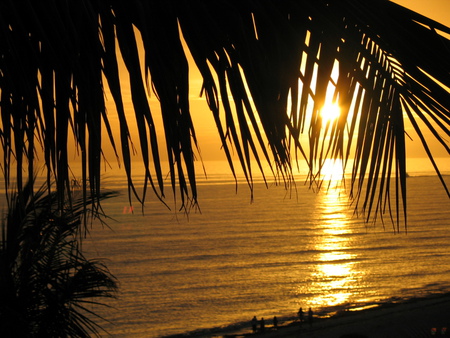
438	10
206	130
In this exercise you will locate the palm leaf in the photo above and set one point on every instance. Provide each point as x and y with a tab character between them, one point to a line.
266	56
45	280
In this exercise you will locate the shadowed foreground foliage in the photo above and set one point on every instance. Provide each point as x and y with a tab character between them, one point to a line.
266	67
48	288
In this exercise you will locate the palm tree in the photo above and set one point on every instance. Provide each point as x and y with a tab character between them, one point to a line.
276	59
48	288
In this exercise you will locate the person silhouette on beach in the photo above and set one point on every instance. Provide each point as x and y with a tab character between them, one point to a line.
263	325
275	322
310	316
300	315
254	324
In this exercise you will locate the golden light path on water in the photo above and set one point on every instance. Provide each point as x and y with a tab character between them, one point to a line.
334	278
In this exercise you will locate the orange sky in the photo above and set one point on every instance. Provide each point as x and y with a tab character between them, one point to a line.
438	10
209	142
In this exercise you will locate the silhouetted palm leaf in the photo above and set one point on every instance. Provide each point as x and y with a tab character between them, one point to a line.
391	62
47	286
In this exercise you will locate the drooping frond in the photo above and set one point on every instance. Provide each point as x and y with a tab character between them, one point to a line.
268	69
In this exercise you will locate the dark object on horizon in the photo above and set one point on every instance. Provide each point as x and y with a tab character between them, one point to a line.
263	325
275	322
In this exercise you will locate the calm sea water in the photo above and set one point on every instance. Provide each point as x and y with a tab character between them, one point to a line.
213	271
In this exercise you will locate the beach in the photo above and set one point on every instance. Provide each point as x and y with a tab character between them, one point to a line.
424	317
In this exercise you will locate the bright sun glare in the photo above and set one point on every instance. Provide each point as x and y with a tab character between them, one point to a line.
332	170
330	112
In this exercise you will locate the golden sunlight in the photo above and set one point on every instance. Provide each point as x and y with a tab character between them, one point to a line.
332	170
336	272
330	112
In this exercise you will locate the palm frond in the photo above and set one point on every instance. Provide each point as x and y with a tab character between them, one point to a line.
392	68
45	279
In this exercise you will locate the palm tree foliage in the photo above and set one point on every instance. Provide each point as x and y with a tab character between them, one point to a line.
266	67
47	286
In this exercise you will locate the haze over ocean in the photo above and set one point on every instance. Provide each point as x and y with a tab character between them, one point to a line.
216	270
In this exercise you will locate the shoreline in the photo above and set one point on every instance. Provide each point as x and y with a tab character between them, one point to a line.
416	317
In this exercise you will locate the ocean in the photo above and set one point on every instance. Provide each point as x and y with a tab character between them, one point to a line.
209	272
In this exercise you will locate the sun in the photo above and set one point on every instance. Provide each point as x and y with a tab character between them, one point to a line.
330	112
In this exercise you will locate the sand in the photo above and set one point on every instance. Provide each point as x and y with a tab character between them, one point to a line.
411	318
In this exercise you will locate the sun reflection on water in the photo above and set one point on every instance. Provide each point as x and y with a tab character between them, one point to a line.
336	273
332	170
